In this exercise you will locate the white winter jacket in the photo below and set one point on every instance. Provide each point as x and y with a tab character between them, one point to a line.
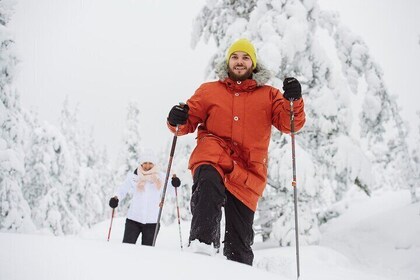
144	206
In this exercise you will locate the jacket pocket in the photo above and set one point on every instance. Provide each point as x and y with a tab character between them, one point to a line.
257	175
238	176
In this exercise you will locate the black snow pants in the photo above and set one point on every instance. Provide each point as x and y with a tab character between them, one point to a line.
133	230
209	195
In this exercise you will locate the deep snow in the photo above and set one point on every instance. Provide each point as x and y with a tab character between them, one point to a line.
376	238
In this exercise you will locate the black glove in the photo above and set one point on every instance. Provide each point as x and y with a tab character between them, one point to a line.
175	181
113	202
178	115
292	89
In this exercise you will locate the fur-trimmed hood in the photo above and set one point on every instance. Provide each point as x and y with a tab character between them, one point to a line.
260	75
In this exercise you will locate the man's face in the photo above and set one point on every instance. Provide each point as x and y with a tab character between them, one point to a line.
147	166
240	66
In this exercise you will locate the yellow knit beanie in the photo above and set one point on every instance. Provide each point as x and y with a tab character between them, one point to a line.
243	45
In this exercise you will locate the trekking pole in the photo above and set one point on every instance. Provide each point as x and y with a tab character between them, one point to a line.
110	226
177	212
292	134
171	156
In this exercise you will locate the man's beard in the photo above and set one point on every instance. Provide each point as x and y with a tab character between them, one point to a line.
241	77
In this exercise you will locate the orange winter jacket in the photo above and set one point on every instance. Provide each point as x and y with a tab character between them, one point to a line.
234	127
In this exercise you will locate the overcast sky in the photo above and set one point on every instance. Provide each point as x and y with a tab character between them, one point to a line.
104	53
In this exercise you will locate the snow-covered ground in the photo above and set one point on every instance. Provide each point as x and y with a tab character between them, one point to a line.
377	238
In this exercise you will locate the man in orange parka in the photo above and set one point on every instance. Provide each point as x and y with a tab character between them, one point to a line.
229	164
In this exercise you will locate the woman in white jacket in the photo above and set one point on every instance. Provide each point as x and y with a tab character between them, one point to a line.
146	184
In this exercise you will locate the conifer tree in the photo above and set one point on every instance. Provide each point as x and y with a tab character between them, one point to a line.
334	148
48	166
89	183
383	133
14	210
131	150
131	139
416	161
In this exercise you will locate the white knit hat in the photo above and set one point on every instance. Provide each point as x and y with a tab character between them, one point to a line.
147	155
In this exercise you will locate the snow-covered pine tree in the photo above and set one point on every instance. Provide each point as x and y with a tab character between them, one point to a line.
97	182
283	33
383	133
88	186
15	213
130	153
74	182
131	149
416	159
48	166
294	38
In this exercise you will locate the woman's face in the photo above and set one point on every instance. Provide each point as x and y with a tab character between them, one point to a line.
147	166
